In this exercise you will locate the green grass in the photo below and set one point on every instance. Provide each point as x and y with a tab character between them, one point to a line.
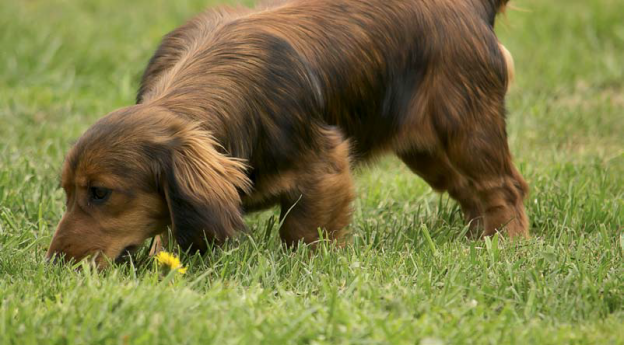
63	64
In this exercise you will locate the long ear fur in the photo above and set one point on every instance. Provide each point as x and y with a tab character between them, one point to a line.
202	186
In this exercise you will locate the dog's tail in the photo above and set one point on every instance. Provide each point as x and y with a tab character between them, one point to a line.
500	5
492	8
509	62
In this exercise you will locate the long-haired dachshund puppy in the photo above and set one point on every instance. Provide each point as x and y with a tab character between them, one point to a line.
239	110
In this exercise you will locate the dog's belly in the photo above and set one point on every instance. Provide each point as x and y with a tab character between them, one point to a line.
268	191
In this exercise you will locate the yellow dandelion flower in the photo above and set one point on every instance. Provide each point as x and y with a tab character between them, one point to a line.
170	261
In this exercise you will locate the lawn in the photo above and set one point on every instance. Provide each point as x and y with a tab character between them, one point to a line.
409	276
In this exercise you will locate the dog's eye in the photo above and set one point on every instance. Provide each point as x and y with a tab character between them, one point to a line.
99	194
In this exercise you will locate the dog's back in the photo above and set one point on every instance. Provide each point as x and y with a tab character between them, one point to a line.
382	67
372	67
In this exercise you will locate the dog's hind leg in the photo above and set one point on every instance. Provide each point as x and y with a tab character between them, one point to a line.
322	199
460	111
479	151
438	172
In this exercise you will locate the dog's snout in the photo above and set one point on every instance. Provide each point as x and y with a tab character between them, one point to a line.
126	253
130	249
52	258
56	257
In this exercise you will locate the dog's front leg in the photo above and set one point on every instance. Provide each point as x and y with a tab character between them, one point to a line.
322	198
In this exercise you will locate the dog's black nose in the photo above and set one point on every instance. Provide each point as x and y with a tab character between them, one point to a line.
126	253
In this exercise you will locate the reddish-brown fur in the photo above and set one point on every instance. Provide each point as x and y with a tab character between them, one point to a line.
241	109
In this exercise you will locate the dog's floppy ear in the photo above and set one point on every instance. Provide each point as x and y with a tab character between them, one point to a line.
202	186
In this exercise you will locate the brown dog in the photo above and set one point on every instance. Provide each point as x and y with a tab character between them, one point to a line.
239	110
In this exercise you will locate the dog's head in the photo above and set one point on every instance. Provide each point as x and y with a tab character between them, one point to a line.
137	171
